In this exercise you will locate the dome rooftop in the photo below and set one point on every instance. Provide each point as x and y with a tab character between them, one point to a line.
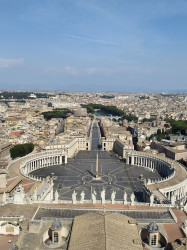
152	227
56	224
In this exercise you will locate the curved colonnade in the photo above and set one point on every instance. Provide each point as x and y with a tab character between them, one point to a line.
42	160
173	184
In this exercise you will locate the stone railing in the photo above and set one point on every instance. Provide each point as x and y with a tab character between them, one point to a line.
119	202
149	181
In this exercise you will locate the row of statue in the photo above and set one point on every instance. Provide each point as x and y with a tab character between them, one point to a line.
152	198
103	195
19	197
113	196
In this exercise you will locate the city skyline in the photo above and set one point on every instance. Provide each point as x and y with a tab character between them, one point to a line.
70	156
93	45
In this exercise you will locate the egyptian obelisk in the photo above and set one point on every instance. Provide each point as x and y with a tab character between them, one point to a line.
97	177
96	172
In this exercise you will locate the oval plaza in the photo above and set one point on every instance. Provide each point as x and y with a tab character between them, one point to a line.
125	175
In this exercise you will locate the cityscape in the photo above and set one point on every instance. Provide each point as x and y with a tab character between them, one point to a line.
75	156
93	125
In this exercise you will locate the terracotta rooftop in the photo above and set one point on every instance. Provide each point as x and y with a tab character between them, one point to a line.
108	231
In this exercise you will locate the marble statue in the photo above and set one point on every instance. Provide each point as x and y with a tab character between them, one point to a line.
113	196
185	224
4	198
124	197
34	197
149	181
19	195
56	196
181	203
185	207
74	197
94	197
173	200
103	196
82	196
151	199
132	198
184	227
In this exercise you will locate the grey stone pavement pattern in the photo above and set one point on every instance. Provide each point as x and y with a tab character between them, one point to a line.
78	174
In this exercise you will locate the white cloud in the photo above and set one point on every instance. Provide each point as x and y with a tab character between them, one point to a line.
91	71
71	71
10	62
68	70
92	39
53	71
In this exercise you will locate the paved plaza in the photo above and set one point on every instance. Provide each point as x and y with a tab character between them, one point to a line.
115	175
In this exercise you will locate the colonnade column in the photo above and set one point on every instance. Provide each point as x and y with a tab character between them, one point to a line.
66	159
60	160
127	159
132	160
35	163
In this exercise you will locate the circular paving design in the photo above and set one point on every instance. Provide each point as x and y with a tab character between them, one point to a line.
102	180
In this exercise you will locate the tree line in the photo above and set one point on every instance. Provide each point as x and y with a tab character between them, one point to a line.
178	127
109	110
107	96
56	113
22	95
20	150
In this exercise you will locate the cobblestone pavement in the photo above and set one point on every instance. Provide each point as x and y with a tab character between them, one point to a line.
78	174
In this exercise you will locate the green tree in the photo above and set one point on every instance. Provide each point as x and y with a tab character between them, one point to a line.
56	113
158	132
183	162
20	150
178	127
107	110
90	109
148	120
166	125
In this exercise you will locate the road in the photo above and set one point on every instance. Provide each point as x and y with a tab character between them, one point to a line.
95	137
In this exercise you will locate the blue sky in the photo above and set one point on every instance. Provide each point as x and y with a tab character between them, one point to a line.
93	45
